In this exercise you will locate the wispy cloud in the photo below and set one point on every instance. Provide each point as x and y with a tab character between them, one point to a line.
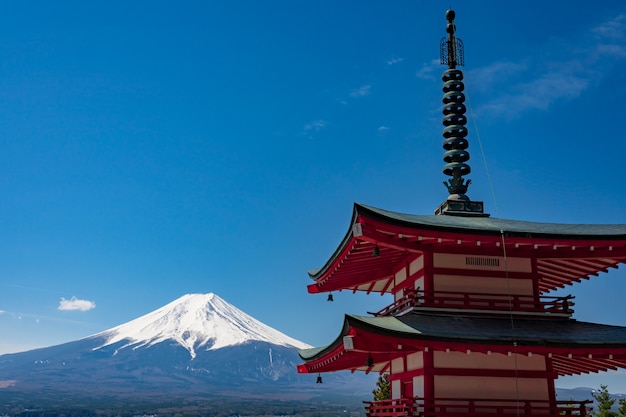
428	70
611	37
394	61
76	304
316	126
537	94
383	128
612	29
562	73
362	91
494	75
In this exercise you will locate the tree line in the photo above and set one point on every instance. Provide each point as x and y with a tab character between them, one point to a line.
604	404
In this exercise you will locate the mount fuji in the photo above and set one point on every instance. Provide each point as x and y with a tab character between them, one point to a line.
195	321
196	345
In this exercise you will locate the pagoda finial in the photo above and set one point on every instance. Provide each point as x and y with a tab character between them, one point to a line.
455	142
451	47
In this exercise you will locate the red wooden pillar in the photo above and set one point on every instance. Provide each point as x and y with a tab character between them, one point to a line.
551	387
429	282
429	379
535	278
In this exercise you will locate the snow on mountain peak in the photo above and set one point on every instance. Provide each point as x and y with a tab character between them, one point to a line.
195	321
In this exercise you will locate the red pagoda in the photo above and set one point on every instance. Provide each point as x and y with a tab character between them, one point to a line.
472	330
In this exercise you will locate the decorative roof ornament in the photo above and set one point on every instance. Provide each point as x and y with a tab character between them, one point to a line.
455	142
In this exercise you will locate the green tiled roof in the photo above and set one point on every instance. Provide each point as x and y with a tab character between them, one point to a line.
486	226
470	329
484	330
491	225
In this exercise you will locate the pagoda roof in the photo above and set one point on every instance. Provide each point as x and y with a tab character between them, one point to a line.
566	253
493	226
574	346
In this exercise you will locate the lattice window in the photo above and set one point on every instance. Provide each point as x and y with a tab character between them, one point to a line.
480	261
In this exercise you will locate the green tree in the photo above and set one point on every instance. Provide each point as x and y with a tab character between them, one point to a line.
604	403
621	409
383	388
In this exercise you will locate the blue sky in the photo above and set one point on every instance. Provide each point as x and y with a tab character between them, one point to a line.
153	149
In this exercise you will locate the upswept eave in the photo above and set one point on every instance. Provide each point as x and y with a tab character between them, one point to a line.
369	343
379	241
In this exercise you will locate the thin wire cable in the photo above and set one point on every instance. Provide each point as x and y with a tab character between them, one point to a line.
504	254
512	321
482	153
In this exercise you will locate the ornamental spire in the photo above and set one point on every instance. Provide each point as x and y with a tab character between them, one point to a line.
455	142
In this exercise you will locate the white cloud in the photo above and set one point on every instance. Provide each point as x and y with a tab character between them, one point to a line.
362	91
612	29
394	61
427	72
485	78
2	311
537	94
611	37
383	128
76	304
616	50
316	125
562	72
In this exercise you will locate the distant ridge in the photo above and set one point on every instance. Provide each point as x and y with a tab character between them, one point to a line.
197	349
195	321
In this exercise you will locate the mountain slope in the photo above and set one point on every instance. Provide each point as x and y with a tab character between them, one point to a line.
197	344
196	321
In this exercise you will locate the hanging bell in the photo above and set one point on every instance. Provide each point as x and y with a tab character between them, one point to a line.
376	252
330	297
319	379
370	362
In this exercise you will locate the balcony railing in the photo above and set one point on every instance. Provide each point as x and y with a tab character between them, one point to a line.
420	407
400	407
561	306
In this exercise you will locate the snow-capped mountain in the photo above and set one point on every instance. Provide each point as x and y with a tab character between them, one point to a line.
196	321
197	344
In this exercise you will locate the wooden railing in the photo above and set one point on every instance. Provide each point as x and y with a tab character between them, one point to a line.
440	407
479	301
400	407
